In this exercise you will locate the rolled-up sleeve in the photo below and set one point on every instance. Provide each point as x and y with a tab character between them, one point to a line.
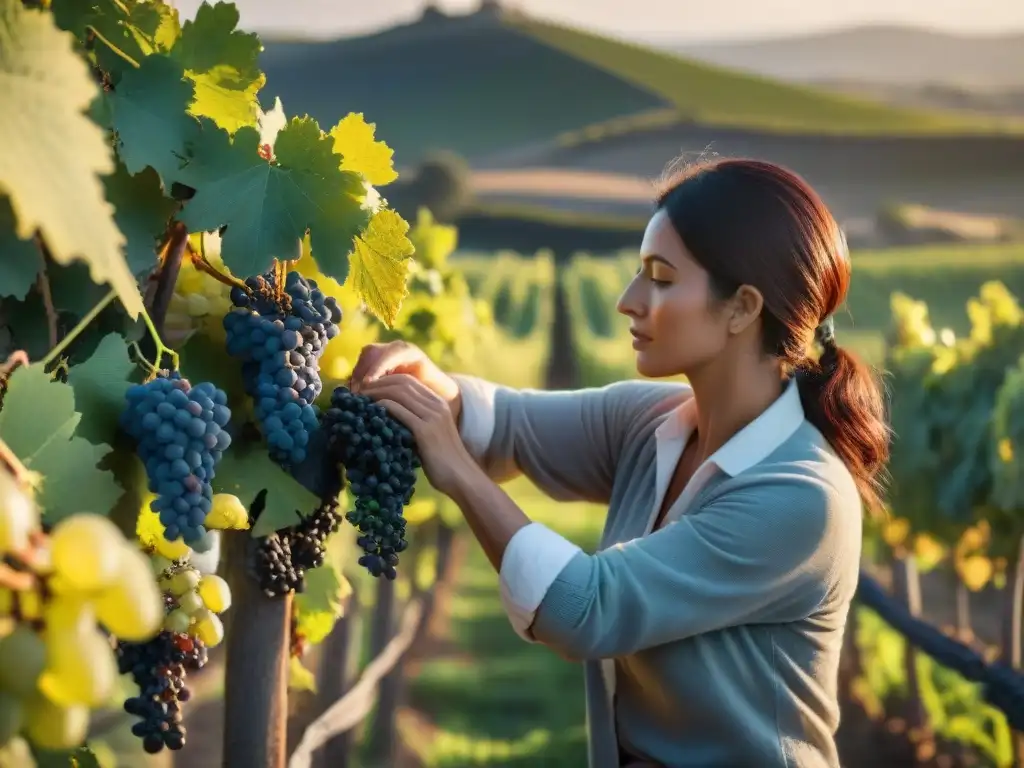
568	443
767	553
533	559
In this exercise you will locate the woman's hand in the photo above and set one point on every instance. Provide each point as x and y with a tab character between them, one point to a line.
401	357
427	415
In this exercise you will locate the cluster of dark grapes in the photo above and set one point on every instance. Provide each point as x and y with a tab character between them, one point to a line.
379	456
180	437
282	558
159	667
279	335
274	568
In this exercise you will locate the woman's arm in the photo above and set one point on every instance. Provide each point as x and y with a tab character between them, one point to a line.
763	555
568	443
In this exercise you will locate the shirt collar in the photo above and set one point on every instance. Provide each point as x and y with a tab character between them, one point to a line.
752	444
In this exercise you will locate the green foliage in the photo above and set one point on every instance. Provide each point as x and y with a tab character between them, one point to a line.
268	206
945	392
955	707
39	422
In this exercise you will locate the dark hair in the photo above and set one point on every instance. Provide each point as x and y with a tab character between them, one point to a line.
749	222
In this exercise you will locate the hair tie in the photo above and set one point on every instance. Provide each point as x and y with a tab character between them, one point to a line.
826	334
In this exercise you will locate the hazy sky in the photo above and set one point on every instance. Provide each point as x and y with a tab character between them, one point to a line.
646	19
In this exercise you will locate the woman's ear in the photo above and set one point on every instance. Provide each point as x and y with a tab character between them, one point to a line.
745	308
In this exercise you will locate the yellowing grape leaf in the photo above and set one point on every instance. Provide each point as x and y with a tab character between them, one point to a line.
223	62
245	470
268	206
141	211
99	386
353	140
20	261
148	112
380	264
52	153
38	422
321	603
300	678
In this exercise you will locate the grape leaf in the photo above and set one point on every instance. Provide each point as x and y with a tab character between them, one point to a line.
320	604
142	212
148	111
300	678
99	385
268	206
380	264
19	257
38	422
137	27
52	174
245	469
223	63
353	140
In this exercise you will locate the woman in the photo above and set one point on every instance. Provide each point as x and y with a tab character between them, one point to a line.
711	618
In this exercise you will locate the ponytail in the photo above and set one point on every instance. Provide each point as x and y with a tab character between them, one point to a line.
842	397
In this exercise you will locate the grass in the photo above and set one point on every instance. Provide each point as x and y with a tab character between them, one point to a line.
481	85
501	701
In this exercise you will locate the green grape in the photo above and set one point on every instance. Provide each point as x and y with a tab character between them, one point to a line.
132	608
184	581
159	564
190	603
208	628
86	551
18	515
52	726
22	660
12	715
177	621
215	593
80	664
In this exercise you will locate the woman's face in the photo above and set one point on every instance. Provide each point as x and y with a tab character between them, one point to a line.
677	325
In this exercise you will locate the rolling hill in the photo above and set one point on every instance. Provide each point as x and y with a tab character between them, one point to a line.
886	55
492	81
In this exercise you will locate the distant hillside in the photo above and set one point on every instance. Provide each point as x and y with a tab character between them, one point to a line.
489	82
902	56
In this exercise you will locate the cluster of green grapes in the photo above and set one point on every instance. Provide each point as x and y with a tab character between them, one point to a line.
957	406
192	600
62	595
200	301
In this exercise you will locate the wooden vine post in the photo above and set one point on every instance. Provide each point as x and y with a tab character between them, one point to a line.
1011	624
256	674
338	666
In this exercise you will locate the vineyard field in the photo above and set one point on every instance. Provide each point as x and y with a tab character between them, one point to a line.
942	276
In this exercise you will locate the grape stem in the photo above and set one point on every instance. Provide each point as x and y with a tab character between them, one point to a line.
200	262
20	472
82	324
161	349
111	46
43	281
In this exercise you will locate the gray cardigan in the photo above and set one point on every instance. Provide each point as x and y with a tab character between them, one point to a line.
714	641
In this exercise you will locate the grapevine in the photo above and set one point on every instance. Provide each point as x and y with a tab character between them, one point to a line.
184	242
